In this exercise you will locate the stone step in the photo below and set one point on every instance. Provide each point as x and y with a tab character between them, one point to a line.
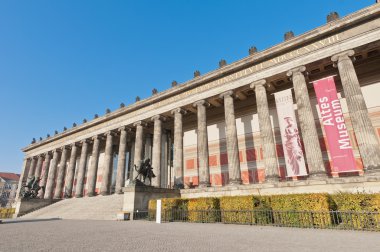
91	208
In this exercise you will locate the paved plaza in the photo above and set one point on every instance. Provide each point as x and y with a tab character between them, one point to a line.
69	235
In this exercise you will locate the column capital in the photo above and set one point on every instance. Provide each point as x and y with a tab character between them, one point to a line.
296	70
343	55
200	103
109	133
228	93
95	137
158	117
124	128
140	123
258	83
178	110
84	141
65	147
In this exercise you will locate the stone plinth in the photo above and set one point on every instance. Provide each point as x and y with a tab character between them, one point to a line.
368	184
137	197
24	206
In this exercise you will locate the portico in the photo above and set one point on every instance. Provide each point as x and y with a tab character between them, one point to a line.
220	129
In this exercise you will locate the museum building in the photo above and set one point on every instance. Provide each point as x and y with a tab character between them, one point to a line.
301	116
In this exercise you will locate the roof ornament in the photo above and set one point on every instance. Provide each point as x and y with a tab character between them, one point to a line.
222	63
197	74
332	16
252	50
288	35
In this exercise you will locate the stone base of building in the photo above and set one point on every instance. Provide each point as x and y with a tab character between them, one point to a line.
367	184
24	206
136	198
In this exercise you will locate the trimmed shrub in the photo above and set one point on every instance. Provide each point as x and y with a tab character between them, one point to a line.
238	209
358	210
203	210
245	210
173	209
6	213
301	210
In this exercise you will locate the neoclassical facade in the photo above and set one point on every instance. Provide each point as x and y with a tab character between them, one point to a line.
221	128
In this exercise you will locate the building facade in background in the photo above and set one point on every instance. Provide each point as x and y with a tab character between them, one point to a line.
303	114
8	188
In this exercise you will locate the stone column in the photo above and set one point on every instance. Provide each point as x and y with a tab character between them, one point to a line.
32	168
105	189
93	169
81	170
231	138
45	172
71	170
178	148
309	131
121	163
51	176
148	147
202	144
365	134
61	174
156	155
138	148
266	133
37	173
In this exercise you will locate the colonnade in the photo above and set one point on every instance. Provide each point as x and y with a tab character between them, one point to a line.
367	141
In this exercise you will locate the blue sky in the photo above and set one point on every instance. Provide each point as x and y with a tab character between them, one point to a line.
62	61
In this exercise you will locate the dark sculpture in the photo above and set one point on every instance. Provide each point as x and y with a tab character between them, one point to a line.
108	111
174	83
138	98
146	170
122	105
96	116
252	50
222	63
154	91
33	140
32	188
197	74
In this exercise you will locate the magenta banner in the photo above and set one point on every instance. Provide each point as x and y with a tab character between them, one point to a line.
330	109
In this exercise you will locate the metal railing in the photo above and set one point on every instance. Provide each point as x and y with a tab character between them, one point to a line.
369	221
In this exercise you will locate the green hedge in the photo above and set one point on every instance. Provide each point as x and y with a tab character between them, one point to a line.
296	210
234	210
351	204
203	210
301	210
6	212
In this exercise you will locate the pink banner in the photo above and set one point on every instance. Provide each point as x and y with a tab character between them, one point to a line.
333	122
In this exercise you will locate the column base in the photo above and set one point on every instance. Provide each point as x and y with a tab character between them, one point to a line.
204	184
179	186
318	175
119	191
235	182
272	179
90	194
372	171
104	193
78	196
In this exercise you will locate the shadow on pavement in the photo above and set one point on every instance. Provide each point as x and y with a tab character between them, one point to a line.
13	221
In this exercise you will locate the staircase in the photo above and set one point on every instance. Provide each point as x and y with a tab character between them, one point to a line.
86	208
